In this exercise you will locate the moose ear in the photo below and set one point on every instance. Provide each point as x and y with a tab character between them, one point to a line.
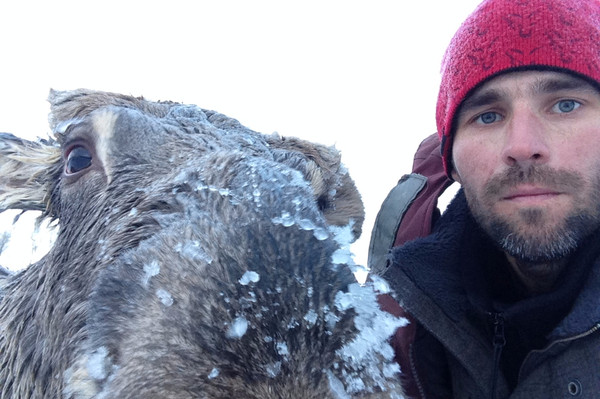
26	173
334	190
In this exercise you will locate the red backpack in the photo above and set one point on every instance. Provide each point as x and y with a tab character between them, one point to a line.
408	213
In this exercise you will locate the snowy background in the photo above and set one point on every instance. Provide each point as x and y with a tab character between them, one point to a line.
360	75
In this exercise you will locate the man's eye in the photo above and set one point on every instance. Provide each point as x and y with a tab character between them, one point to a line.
488	117
565	106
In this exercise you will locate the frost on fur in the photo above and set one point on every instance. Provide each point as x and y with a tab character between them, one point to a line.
194	258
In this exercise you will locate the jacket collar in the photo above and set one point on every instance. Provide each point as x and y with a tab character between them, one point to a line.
437	266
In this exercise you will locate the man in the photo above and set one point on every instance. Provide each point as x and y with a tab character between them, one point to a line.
505	292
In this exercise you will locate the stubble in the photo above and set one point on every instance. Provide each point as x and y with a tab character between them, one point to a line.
533	239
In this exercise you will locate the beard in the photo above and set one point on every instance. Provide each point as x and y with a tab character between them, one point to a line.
533	239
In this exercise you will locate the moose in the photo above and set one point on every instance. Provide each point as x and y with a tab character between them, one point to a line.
195	258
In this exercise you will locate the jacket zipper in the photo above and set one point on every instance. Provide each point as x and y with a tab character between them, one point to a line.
499	341
413	368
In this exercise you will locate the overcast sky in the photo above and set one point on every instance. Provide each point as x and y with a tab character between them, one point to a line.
360	75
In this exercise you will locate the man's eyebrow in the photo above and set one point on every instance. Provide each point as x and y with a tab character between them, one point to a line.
552	85
484	97
480	99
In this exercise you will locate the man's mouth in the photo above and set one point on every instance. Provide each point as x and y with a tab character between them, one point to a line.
530	194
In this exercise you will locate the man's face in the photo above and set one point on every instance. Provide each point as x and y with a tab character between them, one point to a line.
527	153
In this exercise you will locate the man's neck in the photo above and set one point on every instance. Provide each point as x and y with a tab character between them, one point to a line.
537	278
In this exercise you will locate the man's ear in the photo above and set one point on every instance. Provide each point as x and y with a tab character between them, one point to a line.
455	176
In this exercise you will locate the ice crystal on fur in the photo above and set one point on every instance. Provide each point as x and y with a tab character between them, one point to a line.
249	277
194	258
238	328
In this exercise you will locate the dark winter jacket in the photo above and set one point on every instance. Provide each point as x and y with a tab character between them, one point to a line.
477	336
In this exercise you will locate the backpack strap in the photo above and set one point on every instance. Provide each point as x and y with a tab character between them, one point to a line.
389	217
419	218
406	214
409	209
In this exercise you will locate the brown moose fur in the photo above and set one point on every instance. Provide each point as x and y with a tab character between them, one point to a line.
143	293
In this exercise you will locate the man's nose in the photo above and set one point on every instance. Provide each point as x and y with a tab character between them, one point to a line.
525	140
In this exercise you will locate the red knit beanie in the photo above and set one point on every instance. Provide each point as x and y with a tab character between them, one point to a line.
505	35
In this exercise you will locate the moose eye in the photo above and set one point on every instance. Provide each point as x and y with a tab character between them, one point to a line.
78	159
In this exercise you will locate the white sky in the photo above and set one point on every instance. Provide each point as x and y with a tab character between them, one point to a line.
360	75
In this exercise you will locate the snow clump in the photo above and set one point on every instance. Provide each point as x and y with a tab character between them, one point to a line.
193	251
237	329
164	297
344	237
97	364
150	270
282	349
249	277
369	353
214	373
